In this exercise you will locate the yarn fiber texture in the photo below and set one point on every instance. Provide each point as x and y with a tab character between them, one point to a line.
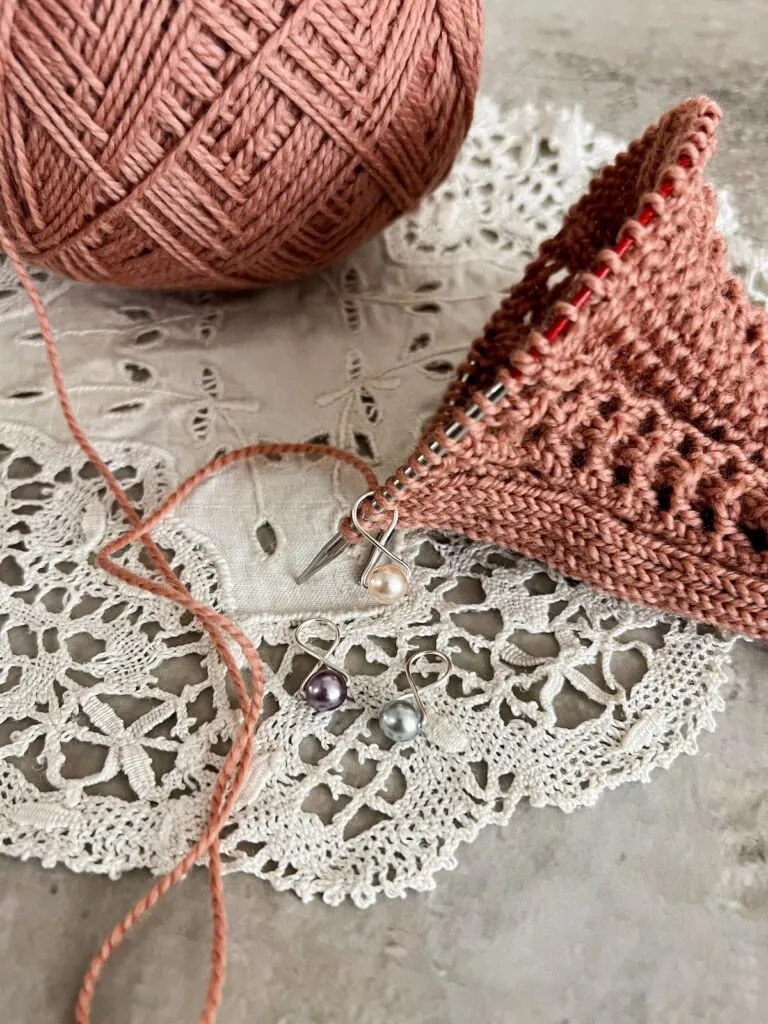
631	453
224	143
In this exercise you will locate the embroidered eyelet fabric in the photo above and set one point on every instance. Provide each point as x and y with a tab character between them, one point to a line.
114	712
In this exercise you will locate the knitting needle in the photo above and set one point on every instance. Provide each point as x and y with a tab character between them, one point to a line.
329	552
338	543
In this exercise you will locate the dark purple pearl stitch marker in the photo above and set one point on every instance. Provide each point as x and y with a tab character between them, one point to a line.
325	688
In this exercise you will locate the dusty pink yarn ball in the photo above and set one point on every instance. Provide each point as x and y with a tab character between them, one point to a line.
225	144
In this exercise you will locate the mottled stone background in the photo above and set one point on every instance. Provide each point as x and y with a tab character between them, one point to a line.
651	908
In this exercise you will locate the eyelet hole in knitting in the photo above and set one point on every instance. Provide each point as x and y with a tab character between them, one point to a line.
757	537
578	458
572	707
753	333
361	821
730	290
730	469
664	497
534	433
429	557
708	519
609	407
687	446
648	424
621	475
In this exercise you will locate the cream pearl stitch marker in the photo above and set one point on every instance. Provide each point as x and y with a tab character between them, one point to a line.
386	582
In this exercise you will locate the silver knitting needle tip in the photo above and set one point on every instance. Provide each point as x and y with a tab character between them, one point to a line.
336	546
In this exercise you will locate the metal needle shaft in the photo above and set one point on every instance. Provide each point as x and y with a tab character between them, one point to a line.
336	546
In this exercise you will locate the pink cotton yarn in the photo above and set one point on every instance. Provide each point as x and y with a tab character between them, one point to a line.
224	143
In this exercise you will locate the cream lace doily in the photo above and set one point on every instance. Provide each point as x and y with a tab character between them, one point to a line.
114	713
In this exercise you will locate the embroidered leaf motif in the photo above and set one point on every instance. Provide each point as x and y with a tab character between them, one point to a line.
354	365
200	424
138	314
30	337
420	342
438	368
148	339
365	446
264	766
211	382
445	735
351	285
266	537
138	373
351	281
207	326
643	732
26	393
352	315
93	524
369	405
318	439
124	407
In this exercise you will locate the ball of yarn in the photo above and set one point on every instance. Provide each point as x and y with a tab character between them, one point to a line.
224	143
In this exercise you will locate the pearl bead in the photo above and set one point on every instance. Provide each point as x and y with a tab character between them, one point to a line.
401	721
387	583
325	690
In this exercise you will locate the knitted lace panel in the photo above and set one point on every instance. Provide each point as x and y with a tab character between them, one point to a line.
630	454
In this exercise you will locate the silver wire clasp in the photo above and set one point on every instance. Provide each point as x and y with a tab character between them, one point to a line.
399	483
325	686
400	719
386	582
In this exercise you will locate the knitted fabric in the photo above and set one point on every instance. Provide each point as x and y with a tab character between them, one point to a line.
630	452
224	143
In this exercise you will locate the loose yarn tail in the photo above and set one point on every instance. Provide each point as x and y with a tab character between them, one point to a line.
221	631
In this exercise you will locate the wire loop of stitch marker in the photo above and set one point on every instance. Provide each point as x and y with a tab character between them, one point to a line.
386	582
401	720
325	686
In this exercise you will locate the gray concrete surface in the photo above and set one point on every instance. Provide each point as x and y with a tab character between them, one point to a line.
653	907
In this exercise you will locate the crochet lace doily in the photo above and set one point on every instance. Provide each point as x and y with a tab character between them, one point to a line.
114	713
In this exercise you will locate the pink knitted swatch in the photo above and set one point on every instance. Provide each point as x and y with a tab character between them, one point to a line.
225	143
631	451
